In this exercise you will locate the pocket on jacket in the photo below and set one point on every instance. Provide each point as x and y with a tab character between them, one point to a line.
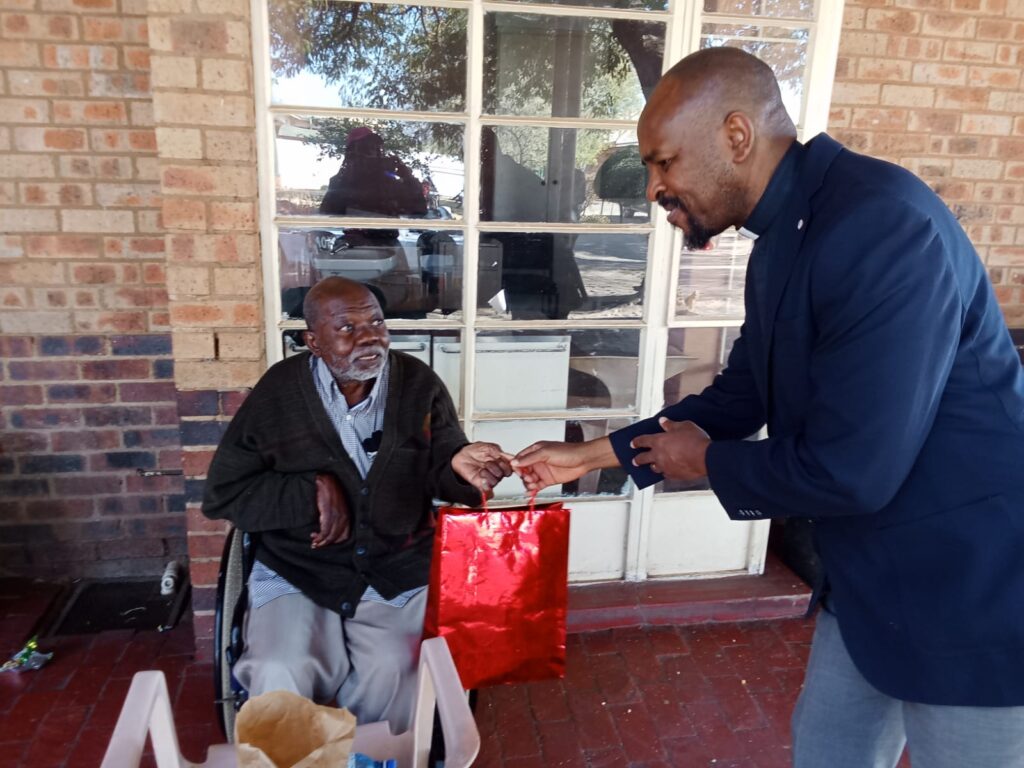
960	577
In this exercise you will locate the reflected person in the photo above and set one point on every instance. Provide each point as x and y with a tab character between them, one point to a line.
539	273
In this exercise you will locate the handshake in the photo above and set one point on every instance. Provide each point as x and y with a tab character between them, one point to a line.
484	465
677	452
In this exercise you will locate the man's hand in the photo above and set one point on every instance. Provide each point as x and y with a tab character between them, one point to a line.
335	521
482	465
677	453
552	463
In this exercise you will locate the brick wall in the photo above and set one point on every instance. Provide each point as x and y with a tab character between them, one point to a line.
86	380
203	107
936	86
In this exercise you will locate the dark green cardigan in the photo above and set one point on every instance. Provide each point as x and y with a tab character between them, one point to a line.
262	479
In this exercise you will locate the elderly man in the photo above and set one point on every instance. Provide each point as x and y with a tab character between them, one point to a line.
876	353
333	461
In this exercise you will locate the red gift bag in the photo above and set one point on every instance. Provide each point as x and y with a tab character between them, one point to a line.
498	592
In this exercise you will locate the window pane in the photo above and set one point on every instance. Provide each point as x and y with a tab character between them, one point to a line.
569	66
632	5
545	276
556	370
784	50
330	54
711	282
387	168
513	436
414	273
561	175
793	9
694	356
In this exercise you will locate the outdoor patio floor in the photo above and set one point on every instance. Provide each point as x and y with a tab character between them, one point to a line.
703	695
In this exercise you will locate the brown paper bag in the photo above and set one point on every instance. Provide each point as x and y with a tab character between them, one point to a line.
281	729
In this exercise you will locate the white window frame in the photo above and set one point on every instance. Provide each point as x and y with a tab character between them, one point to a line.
683	21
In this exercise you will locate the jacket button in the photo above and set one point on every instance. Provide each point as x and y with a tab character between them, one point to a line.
346	607
364	491
360	550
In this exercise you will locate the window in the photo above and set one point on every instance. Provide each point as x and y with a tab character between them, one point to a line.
475	164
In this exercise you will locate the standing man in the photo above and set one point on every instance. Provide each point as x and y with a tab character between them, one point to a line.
333	461
874	350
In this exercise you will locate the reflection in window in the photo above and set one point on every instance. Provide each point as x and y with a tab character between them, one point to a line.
694	356
556	370
784	50
711	282
414	273
570	66
793	9
632	5
548	276
332	54
561	175
351	167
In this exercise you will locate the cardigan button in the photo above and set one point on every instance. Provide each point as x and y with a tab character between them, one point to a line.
360	550
364	491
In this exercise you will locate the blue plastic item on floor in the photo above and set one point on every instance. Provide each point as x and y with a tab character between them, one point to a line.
357	760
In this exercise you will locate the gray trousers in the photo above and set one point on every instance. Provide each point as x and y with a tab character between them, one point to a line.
842	721
367	664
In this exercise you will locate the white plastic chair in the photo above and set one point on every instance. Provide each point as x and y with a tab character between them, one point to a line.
147	709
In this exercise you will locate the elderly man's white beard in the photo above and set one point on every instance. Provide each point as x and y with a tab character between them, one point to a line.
352	372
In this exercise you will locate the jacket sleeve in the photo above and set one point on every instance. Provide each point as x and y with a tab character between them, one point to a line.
447	439
243	488
730	408
886	326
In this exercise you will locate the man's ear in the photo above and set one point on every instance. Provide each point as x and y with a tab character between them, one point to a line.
310	340
739	135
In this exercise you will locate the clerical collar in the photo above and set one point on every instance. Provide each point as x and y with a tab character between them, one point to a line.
775	194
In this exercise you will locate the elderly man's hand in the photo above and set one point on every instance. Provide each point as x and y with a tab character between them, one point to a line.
482	465
335	520
677	453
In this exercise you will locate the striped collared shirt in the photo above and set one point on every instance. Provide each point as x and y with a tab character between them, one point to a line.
356	426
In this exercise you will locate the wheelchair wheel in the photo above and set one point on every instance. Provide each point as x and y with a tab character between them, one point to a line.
235	564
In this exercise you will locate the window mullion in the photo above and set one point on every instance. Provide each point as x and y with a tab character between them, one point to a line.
471	209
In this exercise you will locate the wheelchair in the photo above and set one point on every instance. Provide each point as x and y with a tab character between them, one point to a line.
228	644
229	616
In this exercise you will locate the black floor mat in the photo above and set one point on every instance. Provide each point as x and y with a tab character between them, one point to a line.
96	606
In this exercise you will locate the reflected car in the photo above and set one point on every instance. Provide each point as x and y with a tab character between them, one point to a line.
410	271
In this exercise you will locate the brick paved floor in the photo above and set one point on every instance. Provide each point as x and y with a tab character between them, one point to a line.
711	695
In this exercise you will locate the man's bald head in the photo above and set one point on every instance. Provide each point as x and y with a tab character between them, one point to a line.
714	82
330	288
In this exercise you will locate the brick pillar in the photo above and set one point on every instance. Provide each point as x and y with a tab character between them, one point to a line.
203	109
936	87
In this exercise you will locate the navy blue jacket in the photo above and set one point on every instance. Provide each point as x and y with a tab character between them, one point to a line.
878	357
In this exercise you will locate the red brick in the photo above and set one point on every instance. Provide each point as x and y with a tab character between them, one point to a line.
205	545
21	395
88	485
117	369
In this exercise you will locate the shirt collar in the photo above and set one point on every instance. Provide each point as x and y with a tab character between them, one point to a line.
775	194
330	386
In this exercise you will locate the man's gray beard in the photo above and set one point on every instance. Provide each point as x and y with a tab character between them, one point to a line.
353	374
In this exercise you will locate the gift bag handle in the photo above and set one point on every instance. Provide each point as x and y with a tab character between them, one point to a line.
533	501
